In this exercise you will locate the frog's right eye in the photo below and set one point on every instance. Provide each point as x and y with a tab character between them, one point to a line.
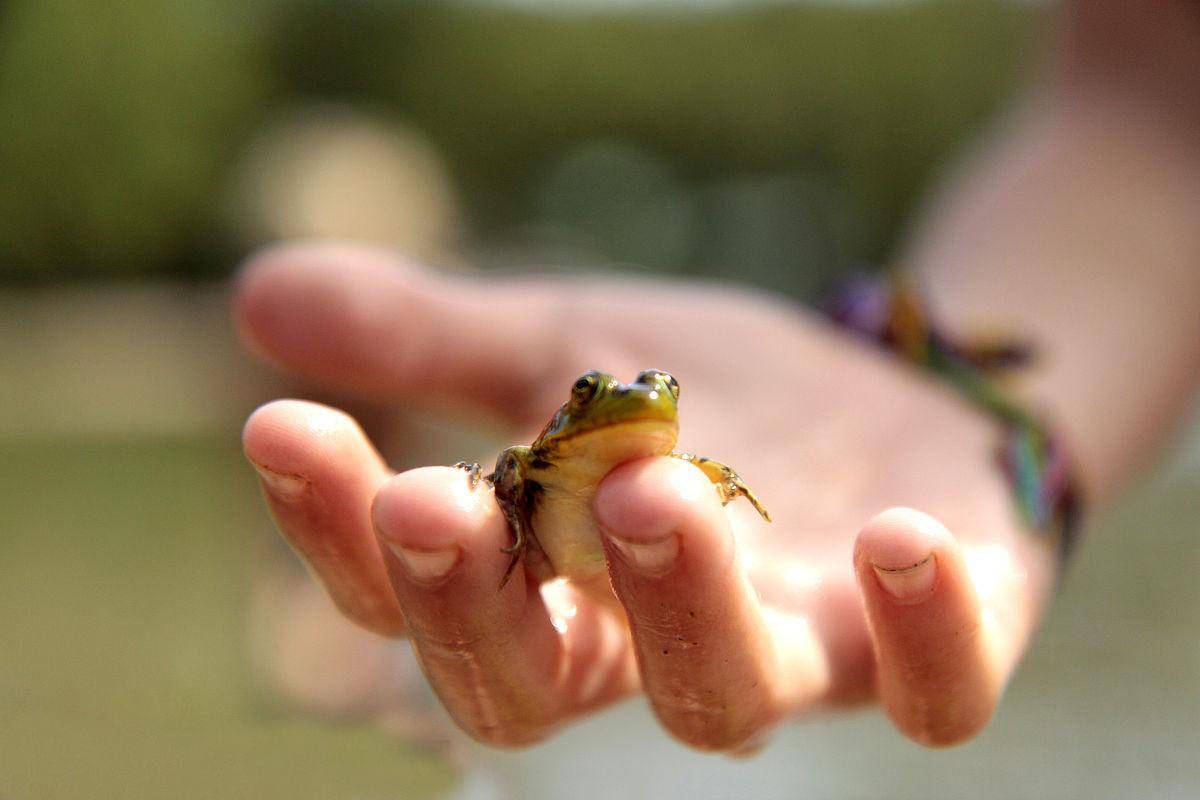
585	388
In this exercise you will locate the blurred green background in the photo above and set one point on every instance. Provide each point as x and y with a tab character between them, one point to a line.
146	146
135	138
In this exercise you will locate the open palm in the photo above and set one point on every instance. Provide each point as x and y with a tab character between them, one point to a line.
730	625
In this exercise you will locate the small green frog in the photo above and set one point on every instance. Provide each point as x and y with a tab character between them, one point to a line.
546	489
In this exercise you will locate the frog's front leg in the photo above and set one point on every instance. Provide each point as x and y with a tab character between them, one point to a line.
516	495
729	484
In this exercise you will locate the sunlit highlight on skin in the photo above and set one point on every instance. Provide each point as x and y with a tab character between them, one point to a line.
690	487
992	569
609	652
322	422
800	577
559	603
797	653
467	499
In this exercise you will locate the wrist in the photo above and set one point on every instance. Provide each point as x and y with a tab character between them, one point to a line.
1081	234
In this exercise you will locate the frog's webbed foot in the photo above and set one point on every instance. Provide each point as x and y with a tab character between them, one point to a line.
473	471
729	484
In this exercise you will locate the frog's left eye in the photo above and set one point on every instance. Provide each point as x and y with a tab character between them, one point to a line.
650	376
585	388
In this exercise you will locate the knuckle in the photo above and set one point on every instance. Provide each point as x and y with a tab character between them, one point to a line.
446	643
947	731
508	736
372	614
947	719
724	727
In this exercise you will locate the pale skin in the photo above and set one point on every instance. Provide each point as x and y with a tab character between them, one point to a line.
895	570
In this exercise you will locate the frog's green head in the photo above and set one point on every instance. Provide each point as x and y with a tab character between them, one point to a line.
614	421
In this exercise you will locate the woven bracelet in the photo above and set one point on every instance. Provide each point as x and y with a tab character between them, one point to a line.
889	313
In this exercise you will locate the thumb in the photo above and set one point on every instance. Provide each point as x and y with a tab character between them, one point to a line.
364	320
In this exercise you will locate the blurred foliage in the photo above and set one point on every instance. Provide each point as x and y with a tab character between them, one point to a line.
115	122
118	123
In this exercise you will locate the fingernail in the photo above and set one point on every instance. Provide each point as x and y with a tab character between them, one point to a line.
287	487
911	583
426	565
653	557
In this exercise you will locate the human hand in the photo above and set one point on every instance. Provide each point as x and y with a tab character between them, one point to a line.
734	625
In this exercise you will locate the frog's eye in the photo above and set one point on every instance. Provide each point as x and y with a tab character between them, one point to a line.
651	376
672	384
585	388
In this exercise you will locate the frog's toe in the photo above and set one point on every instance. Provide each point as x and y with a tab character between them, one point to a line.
512	564
736	487
473	471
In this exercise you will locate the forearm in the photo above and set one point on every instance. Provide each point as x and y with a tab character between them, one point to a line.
1079	228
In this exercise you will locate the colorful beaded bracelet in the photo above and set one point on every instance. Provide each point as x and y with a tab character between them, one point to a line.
1035	462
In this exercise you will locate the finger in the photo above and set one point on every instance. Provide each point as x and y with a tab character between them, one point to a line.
508	668
319	474
364	320
942	657
719	670
298	641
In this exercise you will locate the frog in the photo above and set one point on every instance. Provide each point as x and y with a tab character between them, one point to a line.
546	489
